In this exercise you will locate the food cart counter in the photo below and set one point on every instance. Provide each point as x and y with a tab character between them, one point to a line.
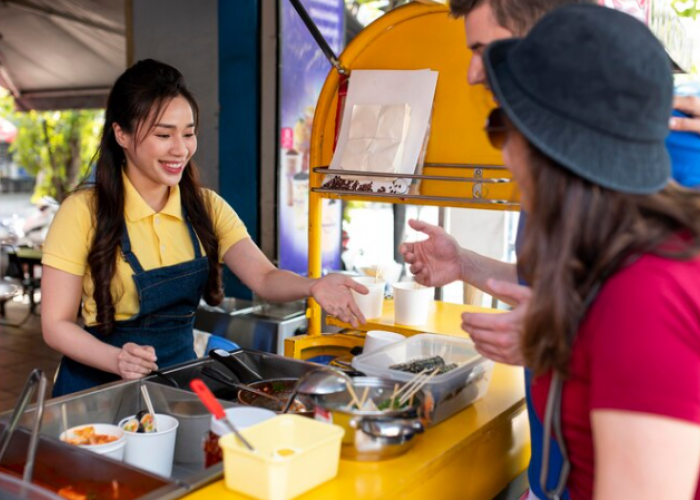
472	455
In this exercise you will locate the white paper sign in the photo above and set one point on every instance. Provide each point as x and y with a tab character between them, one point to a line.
385	121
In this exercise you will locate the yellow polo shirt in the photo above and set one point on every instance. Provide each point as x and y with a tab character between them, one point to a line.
157	240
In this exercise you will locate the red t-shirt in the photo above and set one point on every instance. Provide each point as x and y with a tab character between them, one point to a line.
638	349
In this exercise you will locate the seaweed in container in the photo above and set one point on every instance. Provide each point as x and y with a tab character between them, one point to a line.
429	364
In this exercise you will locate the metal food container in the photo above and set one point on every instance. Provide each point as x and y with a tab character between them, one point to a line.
195	420
373	435
170	393
282	388
61	465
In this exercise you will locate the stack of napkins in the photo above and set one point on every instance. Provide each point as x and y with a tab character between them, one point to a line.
376	137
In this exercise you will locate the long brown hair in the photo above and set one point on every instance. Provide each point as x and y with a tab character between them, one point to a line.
136	100
578	233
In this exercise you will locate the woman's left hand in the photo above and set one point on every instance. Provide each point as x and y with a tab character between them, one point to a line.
332	292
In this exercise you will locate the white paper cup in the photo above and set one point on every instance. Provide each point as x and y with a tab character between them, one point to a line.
379	338
114	450
371	304
412	303
152	451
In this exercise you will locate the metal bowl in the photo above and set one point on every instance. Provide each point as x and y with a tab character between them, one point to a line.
281	388
374	435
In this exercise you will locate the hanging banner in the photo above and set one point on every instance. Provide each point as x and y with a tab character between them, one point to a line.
302	73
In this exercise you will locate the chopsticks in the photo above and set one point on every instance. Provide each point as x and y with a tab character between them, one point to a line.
418	382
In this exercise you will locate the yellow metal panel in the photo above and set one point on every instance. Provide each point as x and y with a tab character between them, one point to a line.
415	36
309	346
444	319
470	456
418	36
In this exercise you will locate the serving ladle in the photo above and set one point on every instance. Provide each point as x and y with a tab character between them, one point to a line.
319	382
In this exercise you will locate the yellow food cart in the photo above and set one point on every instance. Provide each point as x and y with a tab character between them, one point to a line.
477	452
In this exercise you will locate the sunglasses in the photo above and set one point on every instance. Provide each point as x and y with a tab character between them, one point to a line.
497	127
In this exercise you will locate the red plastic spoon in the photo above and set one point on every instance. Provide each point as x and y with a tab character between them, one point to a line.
209	400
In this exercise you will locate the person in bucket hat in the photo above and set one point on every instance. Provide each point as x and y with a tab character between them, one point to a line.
612	330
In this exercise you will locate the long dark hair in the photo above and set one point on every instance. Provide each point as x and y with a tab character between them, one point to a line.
142	91
578	233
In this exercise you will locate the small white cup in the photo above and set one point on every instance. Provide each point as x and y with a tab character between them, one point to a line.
152	451
379	338
412	303
114	450
371	304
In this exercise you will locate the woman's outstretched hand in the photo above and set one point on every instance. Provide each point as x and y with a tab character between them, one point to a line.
332	292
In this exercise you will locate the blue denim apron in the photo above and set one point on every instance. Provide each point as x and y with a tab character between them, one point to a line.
168	299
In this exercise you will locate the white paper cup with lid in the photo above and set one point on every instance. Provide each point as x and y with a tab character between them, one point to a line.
412	303
152	451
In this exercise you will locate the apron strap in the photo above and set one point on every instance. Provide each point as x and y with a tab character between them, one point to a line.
552	420
193	234
128	254
134	261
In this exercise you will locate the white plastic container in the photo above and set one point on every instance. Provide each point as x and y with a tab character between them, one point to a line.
412	303
242	417
114	450
312	456
152	451
371	304
452	391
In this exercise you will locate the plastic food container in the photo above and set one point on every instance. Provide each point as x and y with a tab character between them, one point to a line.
114	450
450	392
242	417
292	455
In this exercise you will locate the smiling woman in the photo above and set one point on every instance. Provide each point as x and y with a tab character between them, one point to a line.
145	242
162	152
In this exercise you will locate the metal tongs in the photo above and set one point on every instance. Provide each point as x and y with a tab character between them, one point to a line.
36	377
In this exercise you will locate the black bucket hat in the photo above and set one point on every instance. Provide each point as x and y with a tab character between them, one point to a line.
591	88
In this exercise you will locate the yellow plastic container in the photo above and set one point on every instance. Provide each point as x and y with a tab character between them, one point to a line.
292	455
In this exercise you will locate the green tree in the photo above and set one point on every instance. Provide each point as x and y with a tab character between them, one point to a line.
55	146
686	8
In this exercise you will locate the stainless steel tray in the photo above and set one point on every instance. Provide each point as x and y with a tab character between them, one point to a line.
59	465
170	392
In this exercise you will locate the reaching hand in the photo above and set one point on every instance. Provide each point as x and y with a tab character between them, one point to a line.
436	261
332	292
690	105
136	361
497	336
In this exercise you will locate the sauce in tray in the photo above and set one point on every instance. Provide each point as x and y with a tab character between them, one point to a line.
49	479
